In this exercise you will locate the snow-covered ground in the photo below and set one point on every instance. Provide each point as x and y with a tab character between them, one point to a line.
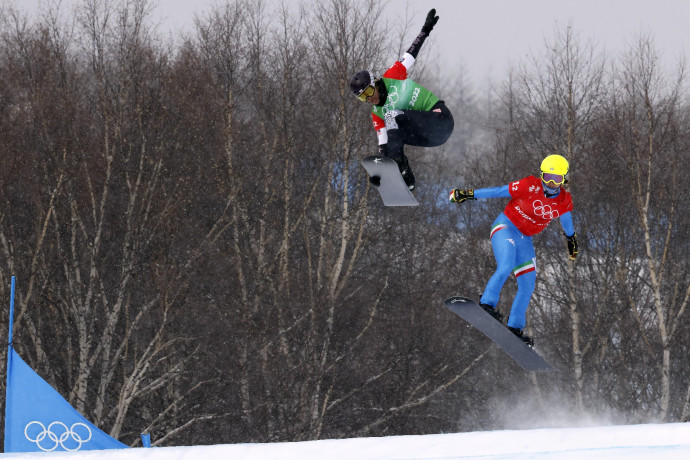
634	442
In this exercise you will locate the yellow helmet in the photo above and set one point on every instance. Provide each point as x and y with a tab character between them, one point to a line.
555	164
554	169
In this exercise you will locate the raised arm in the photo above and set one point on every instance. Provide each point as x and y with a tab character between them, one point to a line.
411	53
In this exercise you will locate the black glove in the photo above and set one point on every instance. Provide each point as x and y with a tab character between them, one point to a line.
431	20
572	245
458	196
375	180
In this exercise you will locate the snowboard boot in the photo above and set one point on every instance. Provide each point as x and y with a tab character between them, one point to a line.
406	173
525	338
495	314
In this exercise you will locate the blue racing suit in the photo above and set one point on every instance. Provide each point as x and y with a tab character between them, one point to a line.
514	253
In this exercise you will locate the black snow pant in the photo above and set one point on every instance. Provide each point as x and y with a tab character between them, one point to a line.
421	129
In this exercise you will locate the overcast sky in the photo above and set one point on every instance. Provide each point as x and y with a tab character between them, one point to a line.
486	37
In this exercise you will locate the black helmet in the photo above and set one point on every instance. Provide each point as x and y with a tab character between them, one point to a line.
360	81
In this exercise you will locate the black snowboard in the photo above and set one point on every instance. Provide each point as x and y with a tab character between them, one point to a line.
393	189
525	356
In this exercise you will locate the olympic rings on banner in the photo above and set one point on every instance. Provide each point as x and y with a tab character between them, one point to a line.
55	439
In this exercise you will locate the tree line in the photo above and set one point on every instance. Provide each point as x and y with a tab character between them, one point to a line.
199	254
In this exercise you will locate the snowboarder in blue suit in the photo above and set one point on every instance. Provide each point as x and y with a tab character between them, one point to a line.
534	203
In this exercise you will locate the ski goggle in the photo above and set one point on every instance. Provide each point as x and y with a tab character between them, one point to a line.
557	179
366	92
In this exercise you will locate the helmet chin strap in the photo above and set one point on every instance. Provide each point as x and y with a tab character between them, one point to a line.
550	192
383	92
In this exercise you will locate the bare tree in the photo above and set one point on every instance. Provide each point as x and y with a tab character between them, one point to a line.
552	105
648	146
101	150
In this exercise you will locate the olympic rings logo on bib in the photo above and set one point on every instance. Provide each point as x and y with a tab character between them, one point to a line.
544	210
48	439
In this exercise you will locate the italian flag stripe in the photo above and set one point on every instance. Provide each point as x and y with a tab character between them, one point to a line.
496	228
524	268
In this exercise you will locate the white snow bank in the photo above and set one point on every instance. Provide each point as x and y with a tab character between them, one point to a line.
658	441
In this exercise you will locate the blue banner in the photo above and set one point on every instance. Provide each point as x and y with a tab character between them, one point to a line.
38	419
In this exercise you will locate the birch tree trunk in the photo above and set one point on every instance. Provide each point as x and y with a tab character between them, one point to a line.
651	107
